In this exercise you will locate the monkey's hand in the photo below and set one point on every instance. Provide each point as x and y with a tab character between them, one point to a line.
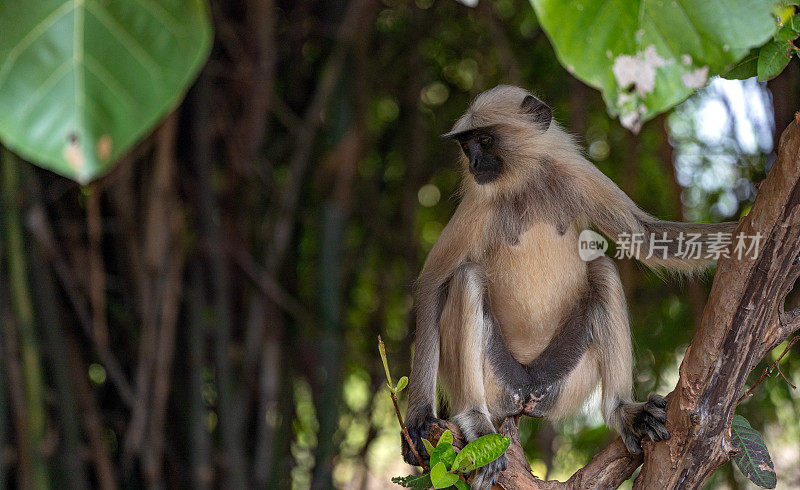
535	399
486	476
644	419
419	420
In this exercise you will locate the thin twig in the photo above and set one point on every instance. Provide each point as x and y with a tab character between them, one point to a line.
769	371
400	417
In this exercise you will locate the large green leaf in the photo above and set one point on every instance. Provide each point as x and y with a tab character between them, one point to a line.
753	457
480	452
648	55
81	81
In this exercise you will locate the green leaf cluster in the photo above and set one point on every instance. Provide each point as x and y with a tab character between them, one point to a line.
447	468
769	60
753	458
646	56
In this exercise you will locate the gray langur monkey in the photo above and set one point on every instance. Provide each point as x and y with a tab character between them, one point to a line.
508	314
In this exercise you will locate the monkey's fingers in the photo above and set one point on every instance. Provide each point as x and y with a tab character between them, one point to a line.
657	400
418	428
647	421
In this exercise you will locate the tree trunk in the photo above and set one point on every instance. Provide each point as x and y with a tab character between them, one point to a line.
742	322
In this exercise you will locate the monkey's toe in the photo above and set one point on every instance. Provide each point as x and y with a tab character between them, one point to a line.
645	420
486	476
657	400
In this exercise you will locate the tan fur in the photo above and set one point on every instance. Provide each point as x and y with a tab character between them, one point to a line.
581	381
532	285
462	359
520	231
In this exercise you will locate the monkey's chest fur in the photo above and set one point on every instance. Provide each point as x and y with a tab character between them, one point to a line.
533	284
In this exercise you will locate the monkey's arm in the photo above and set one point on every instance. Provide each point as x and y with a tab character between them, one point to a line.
462	235
533	388
663	244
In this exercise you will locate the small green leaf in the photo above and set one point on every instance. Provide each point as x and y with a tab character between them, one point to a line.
785	11
772	59
461	485
753	458
422	481
428	446
443	452
481	451
463	464
744	69
440	478
401	383
446	438
794	23
786	33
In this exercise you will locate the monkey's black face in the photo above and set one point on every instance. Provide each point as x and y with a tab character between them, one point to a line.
479	147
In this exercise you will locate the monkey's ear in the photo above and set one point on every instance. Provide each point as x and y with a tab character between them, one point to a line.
539	112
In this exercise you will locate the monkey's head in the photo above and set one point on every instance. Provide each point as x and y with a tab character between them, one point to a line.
497	130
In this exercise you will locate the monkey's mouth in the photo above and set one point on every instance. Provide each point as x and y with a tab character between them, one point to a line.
486	176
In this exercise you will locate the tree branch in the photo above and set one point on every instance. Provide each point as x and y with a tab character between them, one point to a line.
743	320
608	469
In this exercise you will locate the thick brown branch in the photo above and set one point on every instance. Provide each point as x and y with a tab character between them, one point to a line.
608	469
742	322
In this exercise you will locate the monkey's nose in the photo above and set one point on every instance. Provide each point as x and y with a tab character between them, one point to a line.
474	165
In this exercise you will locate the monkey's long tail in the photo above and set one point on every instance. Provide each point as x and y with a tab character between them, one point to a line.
684	247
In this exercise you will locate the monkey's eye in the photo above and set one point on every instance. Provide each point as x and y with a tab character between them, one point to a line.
485	140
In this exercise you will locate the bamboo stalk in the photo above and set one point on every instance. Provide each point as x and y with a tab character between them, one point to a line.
22	306
202	473
71	460
211	235
4	407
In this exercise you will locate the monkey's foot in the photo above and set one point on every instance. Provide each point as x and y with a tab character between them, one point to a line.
644	419
486	476
418	424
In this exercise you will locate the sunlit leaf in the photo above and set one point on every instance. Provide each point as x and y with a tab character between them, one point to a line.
753	457
440	478
443	452
401	383
480	452
445	438
82	81
428	446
